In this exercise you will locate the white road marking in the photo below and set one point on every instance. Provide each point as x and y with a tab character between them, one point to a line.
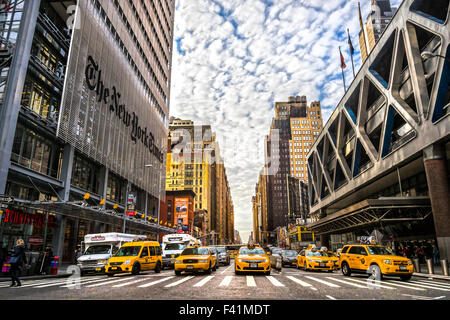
422	285
300	282
434	283
225	270
402	286
131	282
202	282
324	282
330	297
349	283
178	282
154	282
82	283
372	284
108	282
251	281
226	281
54	284
274	281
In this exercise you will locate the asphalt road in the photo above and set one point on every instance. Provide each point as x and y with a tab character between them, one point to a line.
289	284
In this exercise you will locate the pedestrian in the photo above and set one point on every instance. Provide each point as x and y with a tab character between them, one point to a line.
435	253
17	260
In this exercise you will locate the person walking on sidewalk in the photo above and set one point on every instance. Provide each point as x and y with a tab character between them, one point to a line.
17	260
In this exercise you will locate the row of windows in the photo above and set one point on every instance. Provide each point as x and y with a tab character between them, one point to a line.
159	21
116	37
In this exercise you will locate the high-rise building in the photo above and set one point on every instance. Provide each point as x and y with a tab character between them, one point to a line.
84	103
379	17
194	163
294	129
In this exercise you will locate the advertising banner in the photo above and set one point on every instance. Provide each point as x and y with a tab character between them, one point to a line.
181	211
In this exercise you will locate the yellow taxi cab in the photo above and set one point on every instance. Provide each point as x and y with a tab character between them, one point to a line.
252	258
375	260
195	258
135	257
313	259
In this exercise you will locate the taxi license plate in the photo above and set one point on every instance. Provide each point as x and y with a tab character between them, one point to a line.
98	269
113	268
322	265
189	267
403	268
253	265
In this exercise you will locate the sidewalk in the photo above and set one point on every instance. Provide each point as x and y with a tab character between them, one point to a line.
62	272
438	273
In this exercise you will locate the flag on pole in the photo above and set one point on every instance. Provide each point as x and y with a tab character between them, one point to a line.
350	45
360	17
343	65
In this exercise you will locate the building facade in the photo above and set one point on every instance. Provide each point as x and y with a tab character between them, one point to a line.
378	19
380	166
194	163
84	103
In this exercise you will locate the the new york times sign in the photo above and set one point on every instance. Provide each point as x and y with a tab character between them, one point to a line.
111	97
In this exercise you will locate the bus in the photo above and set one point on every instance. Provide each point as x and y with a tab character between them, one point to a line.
173	245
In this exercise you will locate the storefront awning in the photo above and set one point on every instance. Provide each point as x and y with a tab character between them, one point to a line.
384	210
81	210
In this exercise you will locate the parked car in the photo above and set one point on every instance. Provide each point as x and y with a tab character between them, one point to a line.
275	258
289	258
224	256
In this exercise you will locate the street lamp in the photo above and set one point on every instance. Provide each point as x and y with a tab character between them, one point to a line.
429	55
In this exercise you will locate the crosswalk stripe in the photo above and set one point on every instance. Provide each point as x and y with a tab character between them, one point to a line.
424	286
108	282
349	283
330	297
153	282
402	285
251	281
324	282
53	284
300	282
82	283
179	282
226	281
225	270
202	282
274	281
434	283
377	284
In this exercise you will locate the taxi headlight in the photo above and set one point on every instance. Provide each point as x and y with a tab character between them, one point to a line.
203	261
387	261
102	261
239	260
410	262
127	262
178	261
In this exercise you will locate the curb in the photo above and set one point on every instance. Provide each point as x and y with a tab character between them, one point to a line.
5	279
433	276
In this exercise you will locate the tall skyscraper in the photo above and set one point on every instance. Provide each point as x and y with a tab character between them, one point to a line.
379	17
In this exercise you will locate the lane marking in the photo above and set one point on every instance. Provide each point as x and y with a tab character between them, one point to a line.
251	281
54	284
324	282
330	297
274	281
82	283
131	282
371	284
226	281
438	284
402	286
350	283
226	270
300	282
108	282
423	286
202	282
154	282
178	282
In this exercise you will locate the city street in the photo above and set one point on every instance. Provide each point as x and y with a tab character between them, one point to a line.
289	284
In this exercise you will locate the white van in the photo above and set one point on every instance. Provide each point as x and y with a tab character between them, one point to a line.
173	245
100	247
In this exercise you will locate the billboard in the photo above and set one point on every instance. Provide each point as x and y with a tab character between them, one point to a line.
182	211
108	111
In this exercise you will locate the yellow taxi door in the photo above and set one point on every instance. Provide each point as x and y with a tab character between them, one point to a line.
353	255
301	259
152	258
144	258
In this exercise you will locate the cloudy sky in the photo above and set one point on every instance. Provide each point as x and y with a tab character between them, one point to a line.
235	58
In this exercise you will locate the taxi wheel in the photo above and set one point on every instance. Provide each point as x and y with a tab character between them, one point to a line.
110	274
178	273
158	267
375	272
267	273
214	268
305	266
346	269
136	269
209	270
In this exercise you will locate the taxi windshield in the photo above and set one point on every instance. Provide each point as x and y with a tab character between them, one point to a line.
379	251
195	251
310	253
289	253
129	251
251	251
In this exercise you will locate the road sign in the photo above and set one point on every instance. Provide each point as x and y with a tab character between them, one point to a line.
6	199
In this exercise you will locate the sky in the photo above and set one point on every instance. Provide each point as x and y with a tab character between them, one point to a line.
233	59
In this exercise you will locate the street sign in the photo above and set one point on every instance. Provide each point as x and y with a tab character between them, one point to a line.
131	199
6	199
36	240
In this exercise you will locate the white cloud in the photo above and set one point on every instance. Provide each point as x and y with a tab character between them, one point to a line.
239	56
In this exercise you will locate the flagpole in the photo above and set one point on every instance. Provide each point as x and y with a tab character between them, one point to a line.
351	55
342	69
366	40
